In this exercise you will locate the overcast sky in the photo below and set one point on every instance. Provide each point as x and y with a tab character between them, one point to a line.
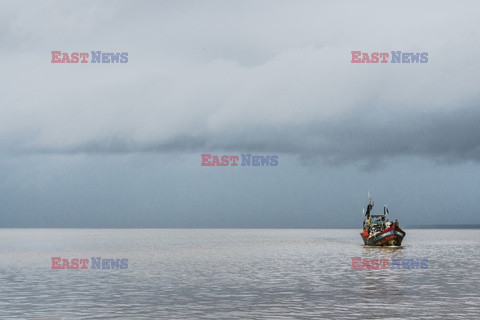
119	145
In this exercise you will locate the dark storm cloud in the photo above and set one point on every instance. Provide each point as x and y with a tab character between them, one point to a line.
201	80
372	136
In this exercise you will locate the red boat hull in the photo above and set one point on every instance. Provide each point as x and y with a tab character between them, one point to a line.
392	236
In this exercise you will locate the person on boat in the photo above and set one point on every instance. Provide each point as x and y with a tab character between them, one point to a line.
396	223
388	224
365	233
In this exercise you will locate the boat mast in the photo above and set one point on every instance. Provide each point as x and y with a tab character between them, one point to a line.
370	204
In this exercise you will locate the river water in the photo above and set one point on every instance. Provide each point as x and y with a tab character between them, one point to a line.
236	274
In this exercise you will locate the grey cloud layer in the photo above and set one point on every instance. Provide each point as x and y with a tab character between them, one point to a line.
214	78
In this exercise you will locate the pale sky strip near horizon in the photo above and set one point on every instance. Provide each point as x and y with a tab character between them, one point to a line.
119	144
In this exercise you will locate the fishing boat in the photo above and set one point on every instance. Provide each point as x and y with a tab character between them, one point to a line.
378	230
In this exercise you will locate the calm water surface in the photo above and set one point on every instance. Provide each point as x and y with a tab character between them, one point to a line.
236	274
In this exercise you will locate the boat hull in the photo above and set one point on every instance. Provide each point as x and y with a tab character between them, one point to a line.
392	236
